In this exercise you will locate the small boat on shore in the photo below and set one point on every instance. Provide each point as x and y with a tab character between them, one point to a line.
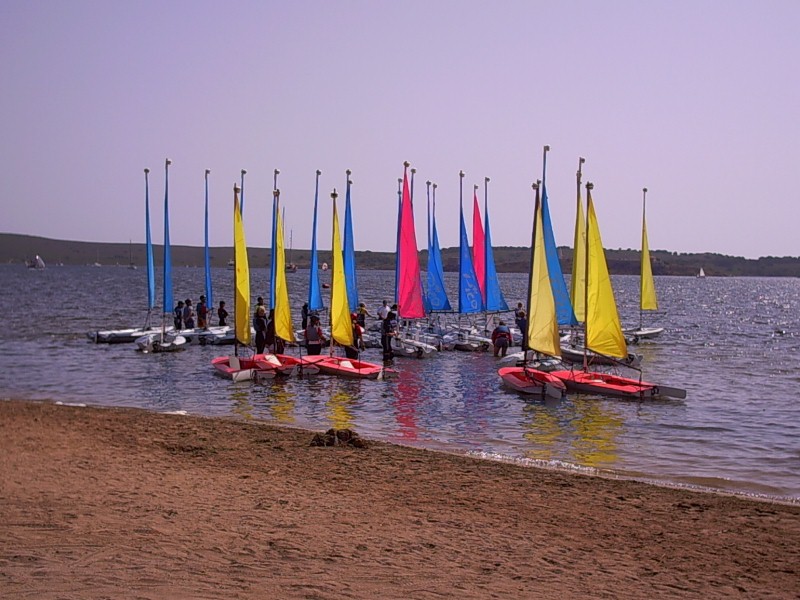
239	368
608	384
347	367
532	381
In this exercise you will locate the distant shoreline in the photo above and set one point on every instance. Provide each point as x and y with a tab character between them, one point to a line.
17	249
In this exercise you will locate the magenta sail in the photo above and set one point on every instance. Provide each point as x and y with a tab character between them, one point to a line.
409	292
478	247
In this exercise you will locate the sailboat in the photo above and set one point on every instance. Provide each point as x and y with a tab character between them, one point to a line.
314	289
131	266
279	363
647	287
164	340
542	323
239	368
702	273
37	263
341	322
129	335
603	330
408	279
290	266
470	296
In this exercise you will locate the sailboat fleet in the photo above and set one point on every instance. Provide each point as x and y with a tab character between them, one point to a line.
572	338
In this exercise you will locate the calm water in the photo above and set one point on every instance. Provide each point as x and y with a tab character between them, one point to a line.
733	343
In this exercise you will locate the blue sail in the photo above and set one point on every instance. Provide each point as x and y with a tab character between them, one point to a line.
151	270
167	252
349	261
273	257
209	291
314	292
564	312
437	296
470	299
494	295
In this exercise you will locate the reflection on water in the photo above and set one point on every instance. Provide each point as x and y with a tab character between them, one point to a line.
733	343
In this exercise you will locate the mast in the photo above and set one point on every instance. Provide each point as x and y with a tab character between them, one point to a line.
151	273
275	217
167	297
528	303
209	291
589	188
241	200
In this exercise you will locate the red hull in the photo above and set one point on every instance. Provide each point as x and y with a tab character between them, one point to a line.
532	381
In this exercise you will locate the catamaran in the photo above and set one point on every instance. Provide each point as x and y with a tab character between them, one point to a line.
541	335
341	320
164	339
235	367
647	287
131	334
603	330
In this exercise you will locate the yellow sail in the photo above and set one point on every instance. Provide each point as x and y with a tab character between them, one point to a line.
283	311
542	320
648	286
341	325
242	292
603	329
578	281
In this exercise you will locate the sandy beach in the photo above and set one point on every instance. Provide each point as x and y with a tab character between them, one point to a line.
118	503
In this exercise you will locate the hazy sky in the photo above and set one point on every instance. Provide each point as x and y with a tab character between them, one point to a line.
697	100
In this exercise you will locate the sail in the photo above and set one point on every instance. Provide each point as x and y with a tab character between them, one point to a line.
493	296
603	329
167	308
647	295
478	246
578	281
566	316
349	252
409	291
542	334
207	258
469	293
242	284
151	270
437	296
341	324
283	311
314	290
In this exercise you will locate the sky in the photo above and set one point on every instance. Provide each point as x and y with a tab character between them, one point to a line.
697	100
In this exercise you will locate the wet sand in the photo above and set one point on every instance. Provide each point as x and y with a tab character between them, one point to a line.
117	503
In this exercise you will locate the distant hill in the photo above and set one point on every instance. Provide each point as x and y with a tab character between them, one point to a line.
16	249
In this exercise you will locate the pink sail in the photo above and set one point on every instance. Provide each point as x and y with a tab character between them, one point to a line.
478	247
409	292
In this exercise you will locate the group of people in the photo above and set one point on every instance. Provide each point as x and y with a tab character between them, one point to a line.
184	314
264	324
315	338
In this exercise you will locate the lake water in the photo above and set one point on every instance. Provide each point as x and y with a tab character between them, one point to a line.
733	343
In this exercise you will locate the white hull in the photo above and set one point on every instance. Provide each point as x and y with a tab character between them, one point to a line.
154	343
122	336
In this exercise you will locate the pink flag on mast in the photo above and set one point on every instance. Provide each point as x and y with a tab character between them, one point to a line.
478	246
410	305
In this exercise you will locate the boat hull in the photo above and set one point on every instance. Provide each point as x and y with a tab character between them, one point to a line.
239	369
347	367
607	384
533	382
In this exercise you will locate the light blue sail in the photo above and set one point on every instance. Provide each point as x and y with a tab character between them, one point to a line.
151	270
564	312
470	299
436	294
206	256
314	291
351	281
494	295
167	308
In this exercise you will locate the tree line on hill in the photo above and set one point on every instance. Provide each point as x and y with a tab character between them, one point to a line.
17	249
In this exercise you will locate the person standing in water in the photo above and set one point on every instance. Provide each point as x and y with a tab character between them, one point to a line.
222	314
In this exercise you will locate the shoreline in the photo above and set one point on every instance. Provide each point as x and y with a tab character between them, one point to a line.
124	502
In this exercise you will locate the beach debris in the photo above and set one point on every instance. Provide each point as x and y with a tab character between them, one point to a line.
338	437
